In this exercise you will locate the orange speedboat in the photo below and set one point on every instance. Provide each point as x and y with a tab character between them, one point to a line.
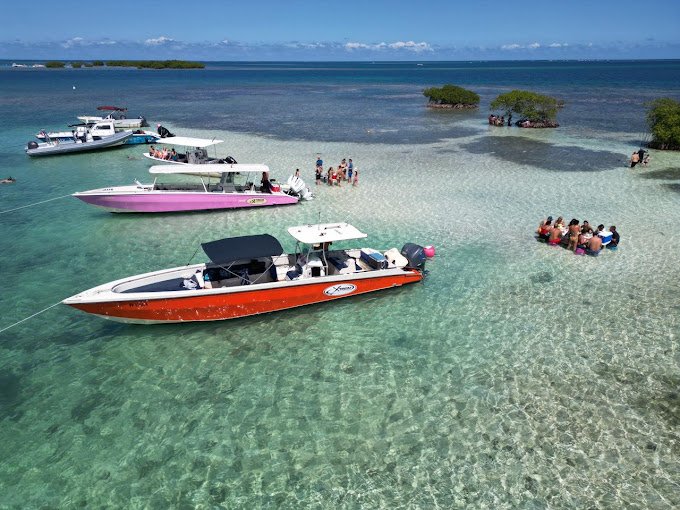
250	275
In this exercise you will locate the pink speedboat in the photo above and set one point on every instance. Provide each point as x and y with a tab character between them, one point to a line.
178	188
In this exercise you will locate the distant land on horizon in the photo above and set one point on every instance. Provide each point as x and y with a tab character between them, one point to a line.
363	61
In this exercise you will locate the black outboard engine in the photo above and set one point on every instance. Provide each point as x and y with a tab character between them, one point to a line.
164	132
32	145
230	160
415	254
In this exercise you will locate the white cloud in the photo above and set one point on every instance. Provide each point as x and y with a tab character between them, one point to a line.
416	47
158	41
75	41
411	46
514	46
533	46
558	45
356	46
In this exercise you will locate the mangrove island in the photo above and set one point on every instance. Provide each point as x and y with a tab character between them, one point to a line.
663	118
451	96
534	110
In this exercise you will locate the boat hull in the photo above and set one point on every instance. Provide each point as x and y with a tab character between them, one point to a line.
159	202
229	304
73	147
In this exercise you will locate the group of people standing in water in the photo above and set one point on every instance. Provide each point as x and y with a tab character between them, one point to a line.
639	157
345	171
578	237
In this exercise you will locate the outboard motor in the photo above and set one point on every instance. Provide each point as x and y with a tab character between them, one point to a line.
415	254
32	144
298	188
230	160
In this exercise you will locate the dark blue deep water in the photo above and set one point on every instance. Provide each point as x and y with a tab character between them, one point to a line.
340	101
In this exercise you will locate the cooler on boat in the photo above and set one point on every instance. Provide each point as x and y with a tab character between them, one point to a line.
606	236
276	187
373	258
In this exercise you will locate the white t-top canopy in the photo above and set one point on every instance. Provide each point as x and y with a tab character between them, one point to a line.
325	233
186	141
207	168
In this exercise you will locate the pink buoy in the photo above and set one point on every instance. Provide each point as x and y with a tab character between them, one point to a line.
429	251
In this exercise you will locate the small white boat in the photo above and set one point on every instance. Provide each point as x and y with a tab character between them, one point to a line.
190	151
252	275
119	117
85	144
234	188
98	130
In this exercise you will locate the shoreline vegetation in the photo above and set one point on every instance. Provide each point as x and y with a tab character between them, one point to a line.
663	118
139	64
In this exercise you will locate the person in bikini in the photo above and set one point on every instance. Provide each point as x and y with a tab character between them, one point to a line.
545	228
573	234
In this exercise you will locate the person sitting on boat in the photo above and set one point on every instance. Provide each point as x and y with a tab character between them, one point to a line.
164	153
594	246
266	184
152	151
164	132
173	155
615	238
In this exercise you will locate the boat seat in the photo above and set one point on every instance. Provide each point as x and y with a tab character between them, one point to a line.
340	266
294	273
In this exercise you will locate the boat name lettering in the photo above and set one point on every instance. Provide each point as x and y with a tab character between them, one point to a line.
340	290
258	201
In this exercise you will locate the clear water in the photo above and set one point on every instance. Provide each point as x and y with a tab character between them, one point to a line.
516	375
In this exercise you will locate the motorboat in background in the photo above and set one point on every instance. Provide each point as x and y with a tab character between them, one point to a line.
84	143
98	130
191	151
119	117
226	187
251	275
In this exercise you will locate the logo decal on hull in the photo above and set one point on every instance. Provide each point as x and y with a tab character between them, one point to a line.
257	201
340	290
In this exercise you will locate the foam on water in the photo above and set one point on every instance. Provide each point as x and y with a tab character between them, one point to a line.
516	375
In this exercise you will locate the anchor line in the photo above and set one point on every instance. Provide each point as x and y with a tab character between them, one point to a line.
35	203
30	317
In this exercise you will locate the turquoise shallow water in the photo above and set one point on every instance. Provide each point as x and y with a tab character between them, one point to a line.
516	375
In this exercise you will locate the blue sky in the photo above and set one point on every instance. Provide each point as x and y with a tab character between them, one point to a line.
341	29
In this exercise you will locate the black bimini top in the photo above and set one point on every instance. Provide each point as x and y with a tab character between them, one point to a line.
232	249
